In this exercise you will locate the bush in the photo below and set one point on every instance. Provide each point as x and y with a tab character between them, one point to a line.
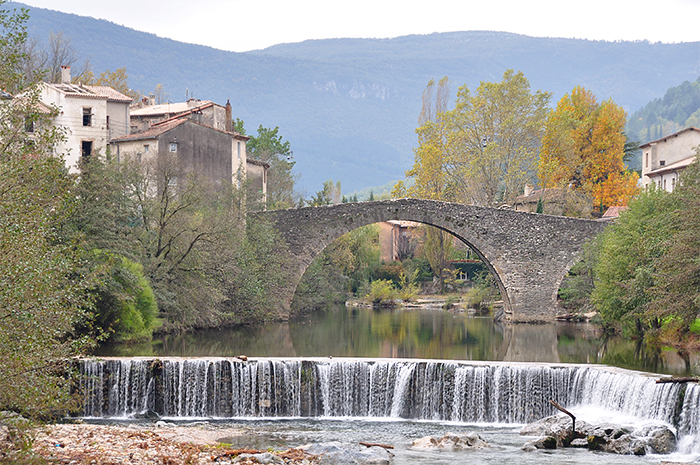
125	306
380	290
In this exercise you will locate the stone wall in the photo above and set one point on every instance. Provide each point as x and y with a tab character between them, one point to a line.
529	254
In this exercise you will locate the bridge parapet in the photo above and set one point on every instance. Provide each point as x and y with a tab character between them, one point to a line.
529	254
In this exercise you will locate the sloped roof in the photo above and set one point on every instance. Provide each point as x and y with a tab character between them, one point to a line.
166	108
111	94
258	162
663	139
679	165
153	132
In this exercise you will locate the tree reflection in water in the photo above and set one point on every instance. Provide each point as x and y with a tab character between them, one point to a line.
426	334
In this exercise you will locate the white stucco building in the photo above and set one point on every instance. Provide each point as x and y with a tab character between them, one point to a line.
665	158
90	115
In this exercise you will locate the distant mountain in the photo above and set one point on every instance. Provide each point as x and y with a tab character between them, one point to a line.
349	106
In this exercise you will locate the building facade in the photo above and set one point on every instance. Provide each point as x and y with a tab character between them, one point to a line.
664	159
90	115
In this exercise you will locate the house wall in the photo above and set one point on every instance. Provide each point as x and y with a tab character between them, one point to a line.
201	150
257	176
136	149
670	150
71	118
118	113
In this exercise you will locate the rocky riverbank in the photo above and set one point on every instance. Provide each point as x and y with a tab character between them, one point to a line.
160	444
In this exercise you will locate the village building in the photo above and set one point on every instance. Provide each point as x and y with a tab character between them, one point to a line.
203	150
90	115
555	201
146	113
664	159
396	239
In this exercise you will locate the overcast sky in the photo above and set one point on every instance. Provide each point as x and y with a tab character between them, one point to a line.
241	25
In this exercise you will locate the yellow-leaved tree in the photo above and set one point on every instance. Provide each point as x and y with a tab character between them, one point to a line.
583	148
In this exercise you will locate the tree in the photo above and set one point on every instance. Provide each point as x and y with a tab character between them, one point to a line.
329	195
268	146
44	61
676	295
626	269
117	80
584	147
432	181
41	292
495	136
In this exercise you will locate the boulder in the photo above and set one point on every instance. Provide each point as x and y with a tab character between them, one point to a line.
335	453
265	458
660	438
544	442
625	445
608	438
452	441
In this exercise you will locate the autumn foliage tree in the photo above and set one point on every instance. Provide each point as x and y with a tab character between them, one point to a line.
583	147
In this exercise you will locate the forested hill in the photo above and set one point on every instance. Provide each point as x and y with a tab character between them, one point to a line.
679	108
349	106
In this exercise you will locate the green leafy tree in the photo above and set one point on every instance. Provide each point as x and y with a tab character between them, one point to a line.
269	147
41	291
494	139
676	295
626	270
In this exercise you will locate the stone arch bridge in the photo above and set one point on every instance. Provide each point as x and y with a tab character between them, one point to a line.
528	254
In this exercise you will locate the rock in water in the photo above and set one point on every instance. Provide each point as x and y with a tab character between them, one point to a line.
451	441
335	453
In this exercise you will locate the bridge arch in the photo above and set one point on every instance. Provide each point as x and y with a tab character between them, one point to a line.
528	254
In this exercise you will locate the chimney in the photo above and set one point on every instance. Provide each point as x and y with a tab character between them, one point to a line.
528	190
65	74
151	99
229	117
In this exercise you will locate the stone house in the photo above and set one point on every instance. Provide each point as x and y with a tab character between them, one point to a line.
146	113
219	155
664	159
91	116
556	201
396	239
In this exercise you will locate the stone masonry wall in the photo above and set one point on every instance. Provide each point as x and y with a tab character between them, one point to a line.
529	254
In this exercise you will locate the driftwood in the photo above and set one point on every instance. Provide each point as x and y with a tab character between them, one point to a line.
678	379
573	418
372	444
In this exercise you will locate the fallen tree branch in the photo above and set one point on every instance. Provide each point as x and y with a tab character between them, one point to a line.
573	418
678	379
372	444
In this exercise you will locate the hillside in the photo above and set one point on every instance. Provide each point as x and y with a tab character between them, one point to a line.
677	109
349	106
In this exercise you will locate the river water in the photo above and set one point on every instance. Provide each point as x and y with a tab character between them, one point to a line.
416	333
388	335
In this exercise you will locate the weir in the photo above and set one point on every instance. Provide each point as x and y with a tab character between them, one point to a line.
488	392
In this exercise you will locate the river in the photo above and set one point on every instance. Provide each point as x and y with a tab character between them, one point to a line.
416	333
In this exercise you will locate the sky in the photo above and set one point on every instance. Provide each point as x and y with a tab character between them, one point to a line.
242	25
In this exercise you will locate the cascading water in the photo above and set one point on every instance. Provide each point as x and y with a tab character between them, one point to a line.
432	390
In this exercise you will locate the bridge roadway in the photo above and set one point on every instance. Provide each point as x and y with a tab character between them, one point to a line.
528	254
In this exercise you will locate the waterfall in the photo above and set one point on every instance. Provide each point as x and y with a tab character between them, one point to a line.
487	392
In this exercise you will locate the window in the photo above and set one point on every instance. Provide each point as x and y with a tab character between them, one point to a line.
87	116
29	124
239	150
173	146
647	159
86	148
146	148
107	121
